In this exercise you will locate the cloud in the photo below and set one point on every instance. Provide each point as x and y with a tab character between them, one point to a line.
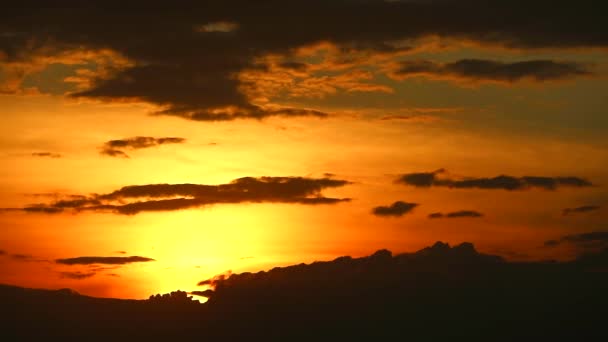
188	66
77	275
46	155
583	209
456	214
440	178
2	252
397	209
113	148
478	70
90	260
134	199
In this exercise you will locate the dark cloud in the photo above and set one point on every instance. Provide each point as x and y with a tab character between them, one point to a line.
134	199
440	178
113	148
583	209
398	209
90	260
185	58
77	275
591	238
492	71
456	214
46	155
2	252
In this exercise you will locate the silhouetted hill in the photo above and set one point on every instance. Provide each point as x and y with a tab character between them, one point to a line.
436	293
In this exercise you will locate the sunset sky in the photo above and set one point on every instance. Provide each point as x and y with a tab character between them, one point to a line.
145	148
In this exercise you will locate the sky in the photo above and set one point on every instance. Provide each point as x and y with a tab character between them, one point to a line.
147	147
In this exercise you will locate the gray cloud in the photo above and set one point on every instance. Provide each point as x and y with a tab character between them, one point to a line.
492	71
134	199
440	178
397	209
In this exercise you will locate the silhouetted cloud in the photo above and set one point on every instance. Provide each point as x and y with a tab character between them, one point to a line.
2	252
440	178
584	240
456	214
113	148
479	70
187	65
134	199
583	209
46	155
398	209
77	275
90	260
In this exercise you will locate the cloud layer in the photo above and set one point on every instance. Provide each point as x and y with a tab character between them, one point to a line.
186	59
440	178
134	199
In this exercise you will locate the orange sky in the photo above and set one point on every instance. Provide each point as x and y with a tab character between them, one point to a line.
378	115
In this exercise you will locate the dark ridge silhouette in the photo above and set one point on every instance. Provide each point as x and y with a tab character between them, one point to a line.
438	293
